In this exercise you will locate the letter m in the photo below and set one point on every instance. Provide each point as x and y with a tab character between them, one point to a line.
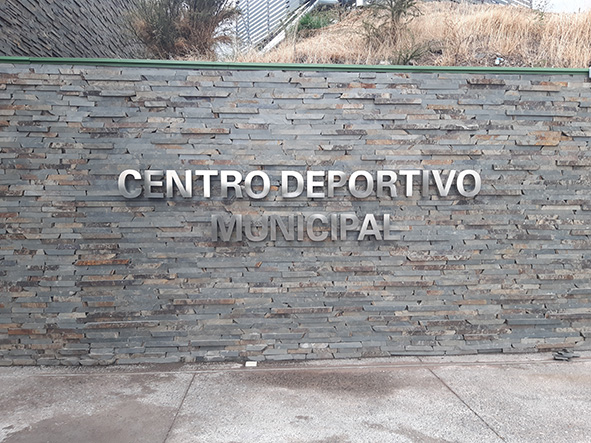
224	226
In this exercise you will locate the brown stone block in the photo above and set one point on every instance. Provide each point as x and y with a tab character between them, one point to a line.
555	276
379	142
398	101
478	337
26	331
207	301
409	284
437	162
549	87
102	283
102	262
549	347
441	107
205	131
486	82
350	106
122	324
9	325
251	126
542	138
71	335
583	162
571	317
33	305
101	236
469	302
354	268
289	311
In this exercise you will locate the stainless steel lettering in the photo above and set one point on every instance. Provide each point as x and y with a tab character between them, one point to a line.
358	193
248	185
477	183
149	183
285	176
172	180
234	184
310	227
122	183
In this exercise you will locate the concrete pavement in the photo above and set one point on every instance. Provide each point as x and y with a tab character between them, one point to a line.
484	398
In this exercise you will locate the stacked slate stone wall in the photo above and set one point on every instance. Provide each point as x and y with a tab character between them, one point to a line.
90	277
67	28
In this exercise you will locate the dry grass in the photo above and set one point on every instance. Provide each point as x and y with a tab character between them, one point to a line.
451	34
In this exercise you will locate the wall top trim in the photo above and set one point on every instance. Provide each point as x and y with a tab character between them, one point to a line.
286	66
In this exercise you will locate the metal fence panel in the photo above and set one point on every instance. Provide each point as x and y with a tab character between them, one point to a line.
259	18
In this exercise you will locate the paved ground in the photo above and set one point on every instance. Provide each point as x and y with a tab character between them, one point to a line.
527	398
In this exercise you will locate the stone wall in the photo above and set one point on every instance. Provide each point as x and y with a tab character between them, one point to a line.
67	28
88	276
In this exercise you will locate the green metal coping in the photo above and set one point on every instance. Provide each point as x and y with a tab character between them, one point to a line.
177	64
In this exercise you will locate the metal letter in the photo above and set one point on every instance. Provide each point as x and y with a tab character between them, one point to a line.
149	183
288	232
172	177
218	224
388	235
390	184
234	184
374	230
345	227
300	227
285	175
249	231
311	184
310	227
443	191
477	183
409	174
248	184
206	181
332	184
353	188
425	192
334	226
121	183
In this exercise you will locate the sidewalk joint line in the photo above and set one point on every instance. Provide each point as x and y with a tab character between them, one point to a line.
179	408
466	404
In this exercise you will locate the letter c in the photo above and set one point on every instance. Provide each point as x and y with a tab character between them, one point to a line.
121	182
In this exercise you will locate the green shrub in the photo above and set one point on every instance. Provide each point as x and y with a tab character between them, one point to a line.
313	21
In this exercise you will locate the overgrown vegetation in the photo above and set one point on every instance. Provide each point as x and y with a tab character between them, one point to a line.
447	34
386	27
177	28
313	21
388	20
